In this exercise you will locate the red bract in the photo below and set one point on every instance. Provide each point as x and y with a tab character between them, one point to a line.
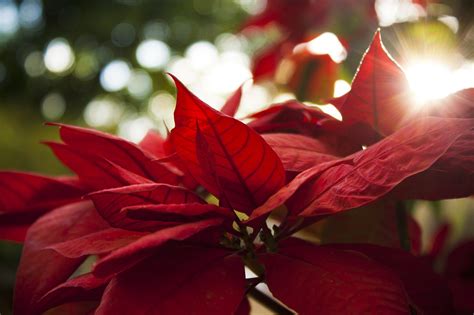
333	281
458	272
368	175
162	246
379	92
26	196
88	148
380	98
245	170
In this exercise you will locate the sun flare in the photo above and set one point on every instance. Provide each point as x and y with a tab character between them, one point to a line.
429	80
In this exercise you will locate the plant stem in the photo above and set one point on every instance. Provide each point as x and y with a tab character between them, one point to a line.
303	87
402	226
269	302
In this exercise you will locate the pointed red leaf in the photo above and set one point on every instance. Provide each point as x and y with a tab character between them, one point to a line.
184	212
295	117
86	287
427	290
457	105
265	63
379	95
75	308
121	152
290	116
232	104
154	144
297	152
110	202
41	269
314	279
247	169
20	191
133	253
439	240
26	196
94	172
368	175
96	243
181	280
452	176
163	150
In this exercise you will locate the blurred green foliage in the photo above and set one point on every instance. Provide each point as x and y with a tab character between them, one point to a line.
90	27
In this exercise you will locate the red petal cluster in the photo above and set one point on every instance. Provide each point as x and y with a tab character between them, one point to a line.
161	245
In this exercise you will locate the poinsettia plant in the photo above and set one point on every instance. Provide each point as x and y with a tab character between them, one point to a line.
171	224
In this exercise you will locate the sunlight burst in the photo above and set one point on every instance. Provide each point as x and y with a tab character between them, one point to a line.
429	80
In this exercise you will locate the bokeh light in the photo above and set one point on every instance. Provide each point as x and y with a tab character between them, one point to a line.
135	129
153	54
34	65
327	44
429	80
31	13
201	55
397	11
341	87
103	112
161	107
9	20
115	75
123	35
53	106
140	84
58	56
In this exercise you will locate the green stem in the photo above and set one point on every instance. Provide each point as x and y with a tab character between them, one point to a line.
303	87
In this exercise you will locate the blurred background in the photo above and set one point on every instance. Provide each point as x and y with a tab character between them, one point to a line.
102	64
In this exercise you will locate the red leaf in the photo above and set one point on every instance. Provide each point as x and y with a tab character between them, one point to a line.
368	175
110	202
180	280
163	150
439	240
94	172
82	288
452	176
155	144
26	196
185	212
232	104
244	308
75	308
296	117
379	93
133	253
266	62
458	271
426	290
247	169
457	105
290	116
121	152
15	233
298	153
40	269
95	243
320	280
21	191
